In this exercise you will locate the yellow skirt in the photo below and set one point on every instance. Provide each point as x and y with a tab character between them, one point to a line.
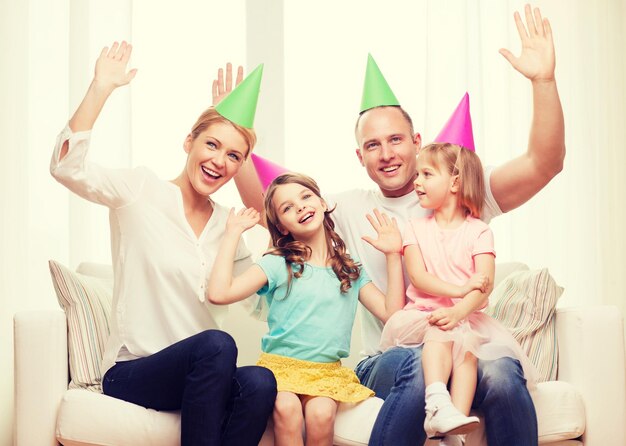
315	378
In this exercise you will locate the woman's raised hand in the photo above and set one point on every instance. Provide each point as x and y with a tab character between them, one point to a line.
389	240
222	87
110	70
110	74
242	221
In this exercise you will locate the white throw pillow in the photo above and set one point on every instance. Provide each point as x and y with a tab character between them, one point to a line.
525	302
87	304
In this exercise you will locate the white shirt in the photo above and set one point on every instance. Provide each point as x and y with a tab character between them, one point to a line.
160	265
351	224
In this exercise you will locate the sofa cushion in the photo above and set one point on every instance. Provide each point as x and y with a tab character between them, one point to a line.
559	407
80	422
524	302
560	415
560	411
100	270
354	421
505	269
87	304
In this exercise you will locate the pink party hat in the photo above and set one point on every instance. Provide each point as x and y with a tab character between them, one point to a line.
266	170
458	129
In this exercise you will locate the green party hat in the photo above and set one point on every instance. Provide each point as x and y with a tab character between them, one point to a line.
376	90
240	105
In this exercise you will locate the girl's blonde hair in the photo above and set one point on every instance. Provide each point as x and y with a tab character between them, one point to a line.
210	116
457	160
296	252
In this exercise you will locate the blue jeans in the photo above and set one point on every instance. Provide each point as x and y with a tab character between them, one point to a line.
219	403
501	395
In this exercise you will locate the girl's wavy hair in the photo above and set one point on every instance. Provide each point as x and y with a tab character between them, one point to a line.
457	160
296	252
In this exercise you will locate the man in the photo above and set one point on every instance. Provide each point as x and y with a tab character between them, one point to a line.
387	148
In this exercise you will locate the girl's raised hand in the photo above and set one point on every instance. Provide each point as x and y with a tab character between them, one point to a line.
389	240
242	221
222	88
111	66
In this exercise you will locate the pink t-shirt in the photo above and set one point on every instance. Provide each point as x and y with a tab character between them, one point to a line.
447	254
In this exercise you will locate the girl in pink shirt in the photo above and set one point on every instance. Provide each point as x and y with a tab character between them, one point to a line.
450	260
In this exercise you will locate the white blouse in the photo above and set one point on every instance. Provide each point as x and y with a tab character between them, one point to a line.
160	265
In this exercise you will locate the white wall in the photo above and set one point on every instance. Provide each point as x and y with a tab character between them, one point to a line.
430	52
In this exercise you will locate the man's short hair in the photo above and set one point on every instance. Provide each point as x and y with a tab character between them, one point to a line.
403	111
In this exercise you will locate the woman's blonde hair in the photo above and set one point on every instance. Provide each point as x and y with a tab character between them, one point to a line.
210	116
296	252
457	160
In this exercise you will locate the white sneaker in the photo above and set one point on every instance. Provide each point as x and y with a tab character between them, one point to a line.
447	420
451	440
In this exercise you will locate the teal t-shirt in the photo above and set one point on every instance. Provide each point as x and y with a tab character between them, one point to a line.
314	322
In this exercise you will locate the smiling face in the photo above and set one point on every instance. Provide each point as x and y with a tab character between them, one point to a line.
214	156
434	185
387	149
298	210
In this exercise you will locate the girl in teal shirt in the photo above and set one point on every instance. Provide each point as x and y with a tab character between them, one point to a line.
311	287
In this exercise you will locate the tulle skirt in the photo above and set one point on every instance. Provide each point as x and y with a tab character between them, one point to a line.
478	334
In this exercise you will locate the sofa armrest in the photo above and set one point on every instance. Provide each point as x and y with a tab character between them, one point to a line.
41	375
592	358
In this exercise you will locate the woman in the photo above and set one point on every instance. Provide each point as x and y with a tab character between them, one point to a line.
164	350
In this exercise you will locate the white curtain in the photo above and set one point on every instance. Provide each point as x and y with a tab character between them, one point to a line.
431	52
48	51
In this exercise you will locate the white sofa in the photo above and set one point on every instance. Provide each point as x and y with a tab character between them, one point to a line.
587	405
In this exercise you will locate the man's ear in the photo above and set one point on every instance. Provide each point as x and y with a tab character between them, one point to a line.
187	143
359	155
417	140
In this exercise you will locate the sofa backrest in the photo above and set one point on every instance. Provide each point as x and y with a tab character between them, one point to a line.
248	331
